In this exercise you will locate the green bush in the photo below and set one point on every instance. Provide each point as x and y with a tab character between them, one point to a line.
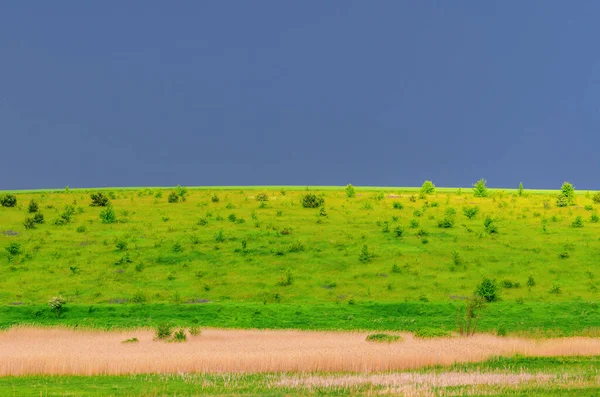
447	222
8	200
179	336
214	198
29	223
311	200
173	198
32	207
99	199
38	218
108	215
471	212
596	198
594	218
398	205
163	331
566	196
488	290
262	197
195	331
287	279
480	189
578	222
13	248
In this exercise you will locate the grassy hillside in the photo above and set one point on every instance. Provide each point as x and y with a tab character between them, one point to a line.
224	245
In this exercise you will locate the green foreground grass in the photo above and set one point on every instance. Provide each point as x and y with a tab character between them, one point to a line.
570	376
384	259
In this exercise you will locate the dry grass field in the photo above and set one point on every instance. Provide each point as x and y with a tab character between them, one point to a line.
34	351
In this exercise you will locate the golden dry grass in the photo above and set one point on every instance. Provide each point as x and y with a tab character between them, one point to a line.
62	351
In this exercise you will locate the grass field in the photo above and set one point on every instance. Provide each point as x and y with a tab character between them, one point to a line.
517	376
220	262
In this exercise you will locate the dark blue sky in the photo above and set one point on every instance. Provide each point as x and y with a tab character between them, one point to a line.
124	93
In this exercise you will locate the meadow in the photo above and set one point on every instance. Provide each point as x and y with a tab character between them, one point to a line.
393	256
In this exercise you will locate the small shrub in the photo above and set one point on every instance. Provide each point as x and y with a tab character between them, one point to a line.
490	226
564	255
589	207
398	231
471	212
501	331
365	256
262	197
350	191
555	289
311	200
8	200
80	229
422	233
396	268
173	197
386	227
32	207
578	222
417	213
108	215
163	331
29	223
594	218
413	224
38	218
232	217
179	336
520	191
13	248
488	290
195	331
446	223
296	246
99	199
480	189
398	205
287	279
202	222
214	198
177	247
220	236
530	281
181	192
56	304
121	245
596	198
383	338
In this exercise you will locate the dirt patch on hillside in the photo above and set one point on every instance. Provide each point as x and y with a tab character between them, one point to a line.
61	351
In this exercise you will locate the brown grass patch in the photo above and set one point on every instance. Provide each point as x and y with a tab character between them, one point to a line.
63	351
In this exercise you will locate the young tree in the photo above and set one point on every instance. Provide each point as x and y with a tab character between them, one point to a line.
480	188
350	191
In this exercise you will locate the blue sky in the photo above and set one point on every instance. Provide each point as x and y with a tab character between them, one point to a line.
299	93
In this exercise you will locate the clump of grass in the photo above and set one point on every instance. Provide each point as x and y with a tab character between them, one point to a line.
424	333
195	331
131	340
381	338
179	336
163	331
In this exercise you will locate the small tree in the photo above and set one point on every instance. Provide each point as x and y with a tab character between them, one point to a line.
468	316
480	189
262	197
566	196
56	304
488	290
350	191
428	187
521	190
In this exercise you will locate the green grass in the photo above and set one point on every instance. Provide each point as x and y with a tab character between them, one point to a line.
583	370
387	338
281	263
